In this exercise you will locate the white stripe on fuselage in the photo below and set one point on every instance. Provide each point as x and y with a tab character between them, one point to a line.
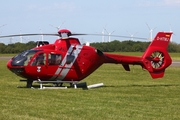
64	68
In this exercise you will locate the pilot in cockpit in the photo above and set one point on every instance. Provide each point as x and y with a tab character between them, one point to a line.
40	59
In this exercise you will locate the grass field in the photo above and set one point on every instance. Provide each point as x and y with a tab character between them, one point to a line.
130	95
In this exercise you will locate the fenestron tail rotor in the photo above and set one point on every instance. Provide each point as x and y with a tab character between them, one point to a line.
157	59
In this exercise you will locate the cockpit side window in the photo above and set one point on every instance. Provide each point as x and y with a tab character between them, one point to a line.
39	60
29	57
54	59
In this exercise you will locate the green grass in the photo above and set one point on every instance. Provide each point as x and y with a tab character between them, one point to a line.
175	56
126	95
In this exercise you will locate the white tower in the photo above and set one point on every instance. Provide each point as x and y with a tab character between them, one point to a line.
109	35
150	31
42	36
2	26
59	27
21	38
131	35
171	31
103	35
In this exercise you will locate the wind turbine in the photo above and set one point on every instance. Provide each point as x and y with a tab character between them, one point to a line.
131	35
21	37
2	26
150	31
58	28
103	35
171	31
11	40
109	35
1	31
42	37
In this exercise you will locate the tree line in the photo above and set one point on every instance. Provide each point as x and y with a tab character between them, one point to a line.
16	47
130	46
113	46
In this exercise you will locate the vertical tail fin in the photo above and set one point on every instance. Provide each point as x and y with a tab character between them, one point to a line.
156	58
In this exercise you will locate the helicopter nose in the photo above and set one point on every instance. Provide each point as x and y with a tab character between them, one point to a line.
15	69
9	66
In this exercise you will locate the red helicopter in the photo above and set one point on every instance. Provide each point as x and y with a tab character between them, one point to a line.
68	61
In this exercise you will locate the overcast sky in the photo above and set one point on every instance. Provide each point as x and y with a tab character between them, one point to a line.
81	16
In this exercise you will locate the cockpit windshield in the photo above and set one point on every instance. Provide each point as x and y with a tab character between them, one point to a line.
23	58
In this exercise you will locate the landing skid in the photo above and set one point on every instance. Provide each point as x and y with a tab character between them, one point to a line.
59	84
56	83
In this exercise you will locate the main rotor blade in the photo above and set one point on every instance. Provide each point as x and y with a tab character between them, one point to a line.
73	34
112	36
16	35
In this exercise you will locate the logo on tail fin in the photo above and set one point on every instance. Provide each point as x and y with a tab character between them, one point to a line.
166	38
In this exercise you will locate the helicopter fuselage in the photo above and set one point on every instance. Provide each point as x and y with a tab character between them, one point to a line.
66	60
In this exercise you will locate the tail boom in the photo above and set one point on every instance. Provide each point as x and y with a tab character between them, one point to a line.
155	59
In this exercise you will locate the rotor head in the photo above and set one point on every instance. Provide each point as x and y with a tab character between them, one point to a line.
64	33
